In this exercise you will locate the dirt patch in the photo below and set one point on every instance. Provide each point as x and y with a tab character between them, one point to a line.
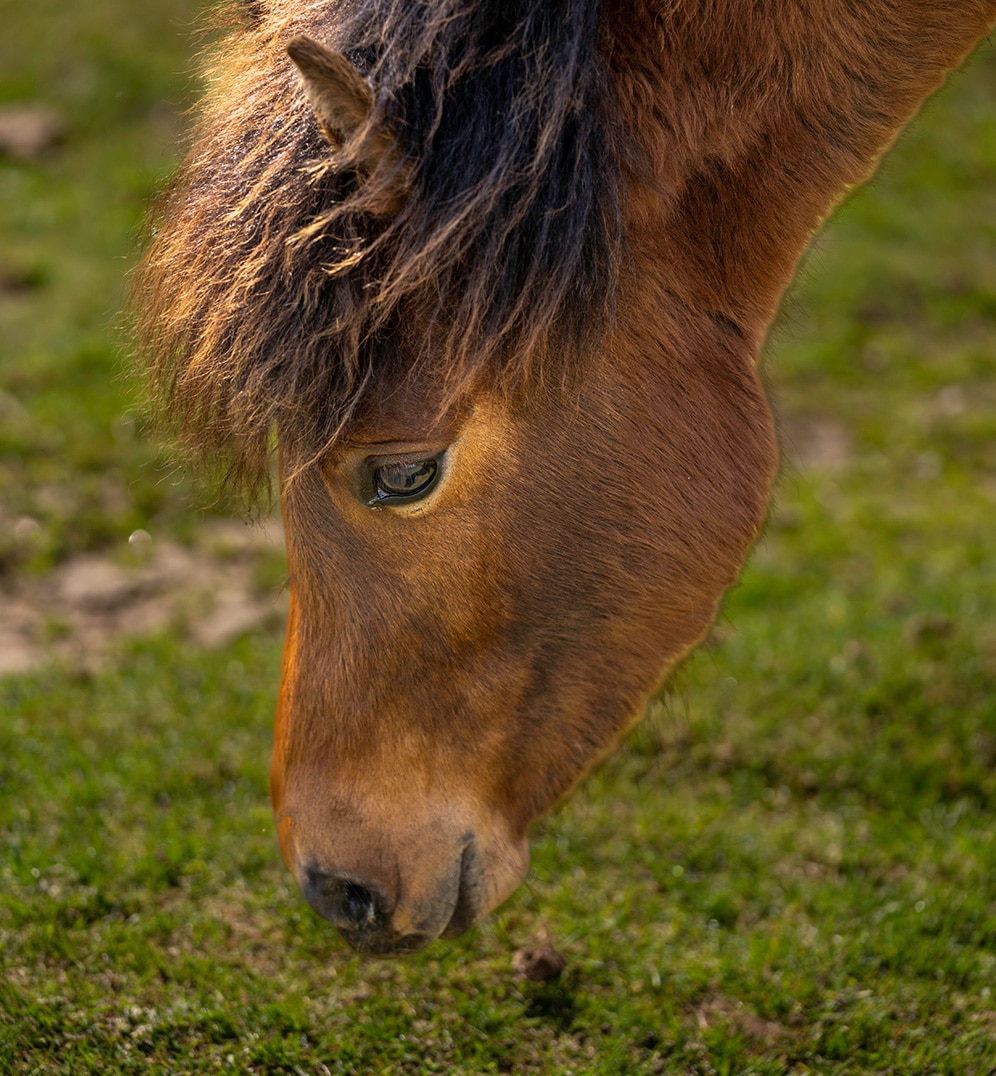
211	589
28	130
730	1012
812	443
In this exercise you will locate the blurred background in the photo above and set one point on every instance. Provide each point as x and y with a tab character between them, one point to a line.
102	535
793	856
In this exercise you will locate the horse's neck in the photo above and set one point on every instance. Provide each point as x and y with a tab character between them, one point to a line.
750	118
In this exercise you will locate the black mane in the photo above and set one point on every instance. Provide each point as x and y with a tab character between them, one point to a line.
274	294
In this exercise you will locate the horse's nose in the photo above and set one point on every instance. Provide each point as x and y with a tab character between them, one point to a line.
362	912
351	904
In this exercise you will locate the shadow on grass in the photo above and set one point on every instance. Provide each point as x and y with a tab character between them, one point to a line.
552	1003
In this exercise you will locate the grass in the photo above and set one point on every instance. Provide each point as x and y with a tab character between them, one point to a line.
788	868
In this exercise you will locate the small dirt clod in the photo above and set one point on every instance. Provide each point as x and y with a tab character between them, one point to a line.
539	964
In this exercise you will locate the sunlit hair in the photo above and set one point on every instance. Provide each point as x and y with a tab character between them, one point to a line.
277	292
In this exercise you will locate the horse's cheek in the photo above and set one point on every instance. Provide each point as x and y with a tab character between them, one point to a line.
636	525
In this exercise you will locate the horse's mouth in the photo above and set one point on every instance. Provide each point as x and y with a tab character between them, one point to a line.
384	943
467	909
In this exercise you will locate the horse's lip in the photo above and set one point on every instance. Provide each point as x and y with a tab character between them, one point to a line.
466	910
385	943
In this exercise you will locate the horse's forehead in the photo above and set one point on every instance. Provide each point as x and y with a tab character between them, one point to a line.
414	411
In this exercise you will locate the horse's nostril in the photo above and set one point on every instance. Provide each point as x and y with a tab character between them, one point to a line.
349	904
358	905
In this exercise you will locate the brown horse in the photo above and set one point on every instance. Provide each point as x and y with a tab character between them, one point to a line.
496	272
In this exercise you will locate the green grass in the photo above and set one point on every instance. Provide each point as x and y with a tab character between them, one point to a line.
790	867
73	455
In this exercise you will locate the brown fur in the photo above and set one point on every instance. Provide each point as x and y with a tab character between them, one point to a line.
573	315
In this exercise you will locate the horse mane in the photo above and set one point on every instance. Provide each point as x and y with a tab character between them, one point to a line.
275	293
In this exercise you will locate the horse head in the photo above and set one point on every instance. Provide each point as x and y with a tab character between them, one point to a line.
498	276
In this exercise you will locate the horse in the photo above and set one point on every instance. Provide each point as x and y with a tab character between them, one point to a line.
489	280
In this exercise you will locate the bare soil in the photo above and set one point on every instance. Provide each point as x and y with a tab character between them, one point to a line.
210	589
29	129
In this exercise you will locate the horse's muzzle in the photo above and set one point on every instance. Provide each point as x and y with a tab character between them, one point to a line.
372	919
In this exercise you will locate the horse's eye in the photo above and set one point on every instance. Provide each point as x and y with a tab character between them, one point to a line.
404	480
396	480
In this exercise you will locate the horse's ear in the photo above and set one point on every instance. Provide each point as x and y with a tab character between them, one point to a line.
342	101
